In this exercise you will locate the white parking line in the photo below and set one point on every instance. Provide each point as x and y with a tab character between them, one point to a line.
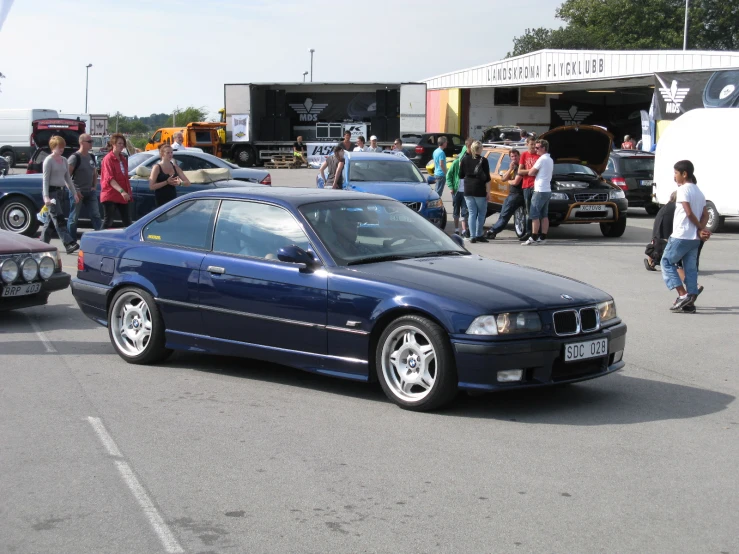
42	336
142	497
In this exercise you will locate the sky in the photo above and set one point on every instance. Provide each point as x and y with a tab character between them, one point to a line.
156	55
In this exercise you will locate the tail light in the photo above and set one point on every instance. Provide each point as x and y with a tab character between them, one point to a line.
80	261
266	181
31	169
419	149
31	142
620	182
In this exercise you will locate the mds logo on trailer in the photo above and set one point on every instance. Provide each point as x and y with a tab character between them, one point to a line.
308	111
673	97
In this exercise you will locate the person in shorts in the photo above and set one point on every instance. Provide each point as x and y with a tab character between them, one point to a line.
542	173
440	165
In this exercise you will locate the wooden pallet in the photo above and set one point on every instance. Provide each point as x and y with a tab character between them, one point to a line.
283	162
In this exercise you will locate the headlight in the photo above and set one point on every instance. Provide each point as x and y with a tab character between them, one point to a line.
616	194
29	268
558	196
46	267
607	310
506	324
435	203
9	271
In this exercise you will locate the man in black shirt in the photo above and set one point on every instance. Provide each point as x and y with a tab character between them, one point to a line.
299	150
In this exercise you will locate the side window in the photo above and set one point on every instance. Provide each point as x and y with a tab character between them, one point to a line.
157	137
256	230
431	140
189	224
456	141
611	167
191	163
493	158
505	164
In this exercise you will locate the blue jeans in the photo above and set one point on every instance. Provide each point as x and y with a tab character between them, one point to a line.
477	206
540	205
92	201
527	194
687	251
513	201
440	182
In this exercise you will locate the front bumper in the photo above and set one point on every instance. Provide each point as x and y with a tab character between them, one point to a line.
541	359
640	197
570	212
58	281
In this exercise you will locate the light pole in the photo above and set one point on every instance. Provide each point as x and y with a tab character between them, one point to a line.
685	31
304	74
311	64
87	82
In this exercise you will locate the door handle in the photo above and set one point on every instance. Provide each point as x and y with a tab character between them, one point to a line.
216	269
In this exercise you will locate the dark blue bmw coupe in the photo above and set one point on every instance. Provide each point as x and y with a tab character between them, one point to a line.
345	284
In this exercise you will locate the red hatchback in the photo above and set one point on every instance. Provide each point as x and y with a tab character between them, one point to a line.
43	129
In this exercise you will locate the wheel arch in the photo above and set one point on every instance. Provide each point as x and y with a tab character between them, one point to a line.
385	319
142	284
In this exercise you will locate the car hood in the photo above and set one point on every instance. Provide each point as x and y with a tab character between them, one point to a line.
583	144
486	285
405	192
10	243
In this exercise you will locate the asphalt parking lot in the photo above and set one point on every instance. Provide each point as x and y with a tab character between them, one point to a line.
209	455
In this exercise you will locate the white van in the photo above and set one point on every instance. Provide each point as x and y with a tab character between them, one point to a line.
15	133
683	139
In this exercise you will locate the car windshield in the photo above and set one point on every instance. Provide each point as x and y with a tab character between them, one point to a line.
573	169
366	231
385	171
98	142
637	165
137	159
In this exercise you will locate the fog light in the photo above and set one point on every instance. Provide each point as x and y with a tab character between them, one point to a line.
618	356
510	375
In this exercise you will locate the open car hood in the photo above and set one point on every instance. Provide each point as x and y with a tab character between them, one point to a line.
583	144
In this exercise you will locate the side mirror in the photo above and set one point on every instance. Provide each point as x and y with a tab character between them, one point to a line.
295	255
458	240
431	179
151	141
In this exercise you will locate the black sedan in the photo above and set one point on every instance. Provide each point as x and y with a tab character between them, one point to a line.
420	148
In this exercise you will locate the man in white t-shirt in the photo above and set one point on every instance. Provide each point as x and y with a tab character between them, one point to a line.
373	145
360	147
542	172
687	233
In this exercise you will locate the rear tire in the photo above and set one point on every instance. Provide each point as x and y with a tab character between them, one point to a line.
415	364
136	327
652	209
245	156
9	156
714	218
18	215
613	230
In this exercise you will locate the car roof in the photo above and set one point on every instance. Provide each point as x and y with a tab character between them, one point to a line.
288	196
376	156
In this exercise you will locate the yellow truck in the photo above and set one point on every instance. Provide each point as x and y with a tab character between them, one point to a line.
203	135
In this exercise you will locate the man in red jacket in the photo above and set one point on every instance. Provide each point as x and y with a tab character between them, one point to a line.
528	159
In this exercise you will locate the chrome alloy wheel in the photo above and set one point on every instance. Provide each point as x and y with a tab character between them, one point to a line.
409	363
16	217
132	324
519	221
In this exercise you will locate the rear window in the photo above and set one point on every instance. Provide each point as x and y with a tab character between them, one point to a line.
637	165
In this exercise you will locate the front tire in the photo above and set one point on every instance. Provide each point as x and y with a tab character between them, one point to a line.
136	327
652	209
18	215
415	364
714	218
519	221
613	230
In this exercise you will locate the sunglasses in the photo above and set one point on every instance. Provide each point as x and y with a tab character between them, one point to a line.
539	147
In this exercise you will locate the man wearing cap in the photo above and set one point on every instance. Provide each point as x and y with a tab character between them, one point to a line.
373	145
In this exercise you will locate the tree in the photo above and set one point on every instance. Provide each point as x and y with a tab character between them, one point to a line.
188	115
636	25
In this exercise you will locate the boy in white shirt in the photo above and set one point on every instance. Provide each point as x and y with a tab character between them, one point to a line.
687	233
542	171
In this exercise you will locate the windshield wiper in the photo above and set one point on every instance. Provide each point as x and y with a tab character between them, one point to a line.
441	253
386	258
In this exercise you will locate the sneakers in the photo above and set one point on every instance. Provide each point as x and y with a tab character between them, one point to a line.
473	239
541	241
491	234
648	265
525	237
531	242
482	239
682	302
466	234
72	247
689	309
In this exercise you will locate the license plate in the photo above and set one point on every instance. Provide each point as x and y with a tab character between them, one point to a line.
21	290
400	218
646	183
576	351
592	208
